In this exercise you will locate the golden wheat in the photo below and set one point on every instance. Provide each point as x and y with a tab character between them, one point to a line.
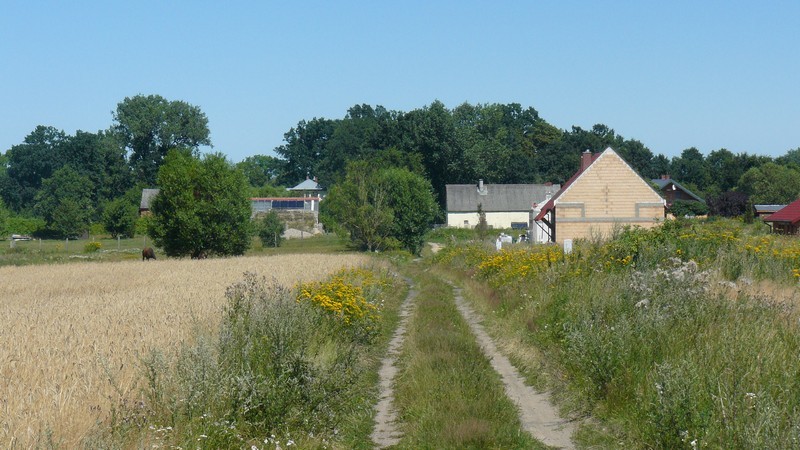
71	335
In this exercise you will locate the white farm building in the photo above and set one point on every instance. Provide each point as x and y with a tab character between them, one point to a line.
505	205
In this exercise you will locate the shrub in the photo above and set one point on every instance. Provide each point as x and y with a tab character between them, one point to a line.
345	297
270	228
690	208
92	247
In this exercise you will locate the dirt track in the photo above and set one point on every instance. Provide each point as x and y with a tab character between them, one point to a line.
385	432
538	415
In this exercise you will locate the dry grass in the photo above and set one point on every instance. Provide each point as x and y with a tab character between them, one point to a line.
72	334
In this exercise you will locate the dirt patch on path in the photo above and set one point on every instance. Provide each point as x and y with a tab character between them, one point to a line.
538	415
385	433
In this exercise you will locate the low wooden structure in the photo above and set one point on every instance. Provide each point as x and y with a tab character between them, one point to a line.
786	220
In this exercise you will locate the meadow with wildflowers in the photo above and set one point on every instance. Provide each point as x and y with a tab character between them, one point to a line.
289	366
666	336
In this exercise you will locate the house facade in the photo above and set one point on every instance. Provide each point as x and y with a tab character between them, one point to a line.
504	205
603	195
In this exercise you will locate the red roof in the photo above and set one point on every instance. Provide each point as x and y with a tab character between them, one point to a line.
551	203
789	213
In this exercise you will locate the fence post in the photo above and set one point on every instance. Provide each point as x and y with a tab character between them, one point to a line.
117	242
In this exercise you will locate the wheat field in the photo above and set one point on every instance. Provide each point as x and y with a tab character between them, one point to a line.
71	335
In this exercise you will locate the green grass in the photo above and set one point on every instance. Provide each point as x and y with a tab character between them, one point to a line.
48	251
447	393
658	353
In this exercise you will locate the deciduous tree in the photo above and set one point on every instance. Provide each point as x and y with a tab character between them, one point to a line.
381	208
65	202
150	126
202	207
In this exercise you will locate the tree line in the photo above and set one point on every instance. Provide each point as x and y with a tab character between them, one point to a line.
59	185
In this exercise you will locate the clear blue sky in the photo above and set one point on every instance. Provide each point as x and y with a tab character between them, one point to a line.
708	74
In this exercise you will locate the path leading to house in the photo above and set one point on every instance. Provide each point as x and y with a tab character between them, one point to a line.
538	415
385	432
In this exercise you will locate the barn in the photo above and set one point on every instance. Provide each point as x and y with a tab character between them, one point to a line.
504	205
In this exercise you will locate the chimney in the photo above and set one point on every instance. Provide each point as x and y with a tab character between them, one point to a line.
548	183
665	177
481	188
586	159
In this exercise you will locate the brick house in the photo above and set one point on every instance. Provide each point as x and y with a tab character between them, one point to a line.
603	195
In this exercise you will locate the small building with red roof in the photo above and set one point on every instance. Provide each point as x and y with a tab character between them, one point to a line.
603	195
786	220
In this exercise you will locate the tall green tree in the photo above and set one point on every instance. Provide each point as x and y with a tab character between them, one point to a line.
260	169
65	202
305	148
771	184
431	133
381	208
150	126
119	218
270	230
30	162
412	204
202	207
690	168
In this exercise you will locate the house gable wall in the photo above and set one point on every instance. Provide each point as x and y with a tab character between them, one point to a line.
606	196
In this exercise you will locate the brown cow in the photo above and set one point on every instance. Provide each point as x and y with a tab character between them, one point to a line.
148	254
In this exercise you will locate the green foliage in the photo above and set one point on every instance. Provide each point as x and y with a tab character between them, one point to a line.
119	218
278	368
92	247
99	157
690	208
24	225
5	215
663	345
260	169
65	202
269	190
380	209
270	228
412	204
150	126
771	184
202	207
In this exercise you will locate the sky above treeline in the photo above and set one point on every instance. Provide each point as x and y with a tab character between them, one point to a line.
672	75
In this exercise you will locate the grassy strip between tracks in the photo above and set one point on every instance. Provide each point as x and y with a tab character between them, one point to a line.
447	393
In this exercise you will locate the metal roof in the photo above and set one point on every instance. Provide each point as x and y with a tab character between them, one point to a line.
497	197
789	213
307	185
768	208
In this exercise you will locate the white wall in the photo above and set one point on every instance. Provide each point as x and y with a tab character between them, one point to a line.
493	219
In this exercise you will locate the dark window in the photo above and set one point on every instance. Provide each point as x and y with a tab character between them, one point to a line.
519	225
287	204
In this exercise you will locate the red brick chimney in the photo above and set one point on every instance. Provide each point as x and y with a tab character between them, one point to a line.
586	159
665	177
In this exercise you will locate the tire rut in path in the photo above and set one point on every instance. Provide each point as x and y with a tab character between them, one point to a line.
385	432
538	416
